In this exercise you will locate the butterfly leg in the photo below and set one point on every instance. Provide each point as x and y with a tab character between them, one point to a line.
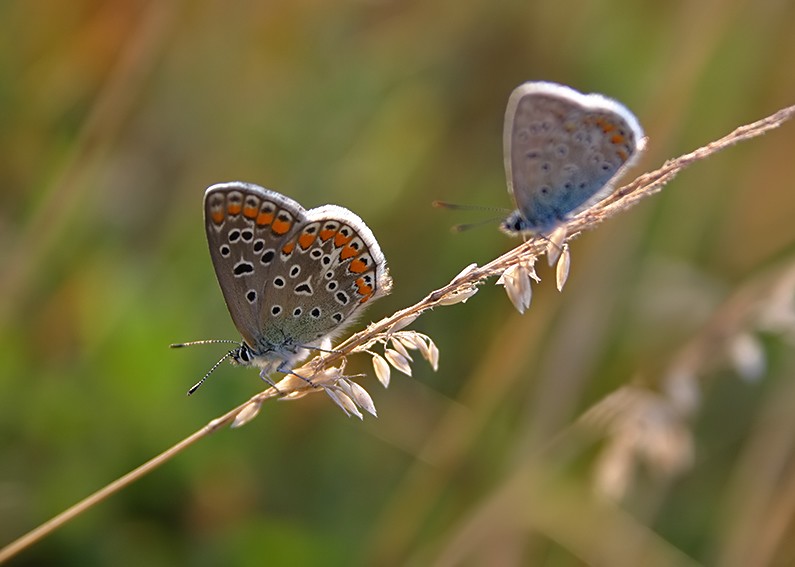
266	377
283	368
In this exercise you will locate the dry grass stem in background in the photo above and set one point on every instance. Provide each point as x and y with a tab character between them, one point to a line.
649	424
515	270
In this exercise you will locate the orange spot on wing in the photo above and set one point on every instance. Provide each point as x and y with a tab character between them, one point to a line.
623	155
617	139
357	267
341	239
288	248
306	240
365	298
264	218
234	208
363	288
348	252
249	212
217	216
281	226
326	234
605	125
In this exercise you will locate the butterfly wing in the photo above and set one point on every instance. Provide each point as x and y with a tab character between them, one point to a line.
244	233
331	268
562	149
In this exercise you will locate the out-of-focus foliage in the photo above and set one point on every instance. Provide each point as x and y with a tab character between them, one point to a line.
116	116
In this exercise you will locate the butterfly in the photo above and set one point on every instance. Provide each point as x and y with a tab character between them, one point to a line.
562	150
292	278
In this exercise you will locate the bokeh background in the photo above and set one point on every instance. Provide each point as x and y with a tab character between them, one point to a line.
117	115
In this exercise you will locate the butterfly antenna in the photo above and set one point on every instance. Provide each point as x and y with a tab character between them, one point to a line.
471	225
458	207
216	365
204	342
210	371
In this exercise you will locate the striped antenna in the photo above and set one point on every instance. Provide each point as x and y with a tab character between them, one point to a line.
216	365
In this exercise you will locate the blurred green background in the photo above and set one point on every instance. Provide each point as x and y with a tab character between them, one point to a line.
117	115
